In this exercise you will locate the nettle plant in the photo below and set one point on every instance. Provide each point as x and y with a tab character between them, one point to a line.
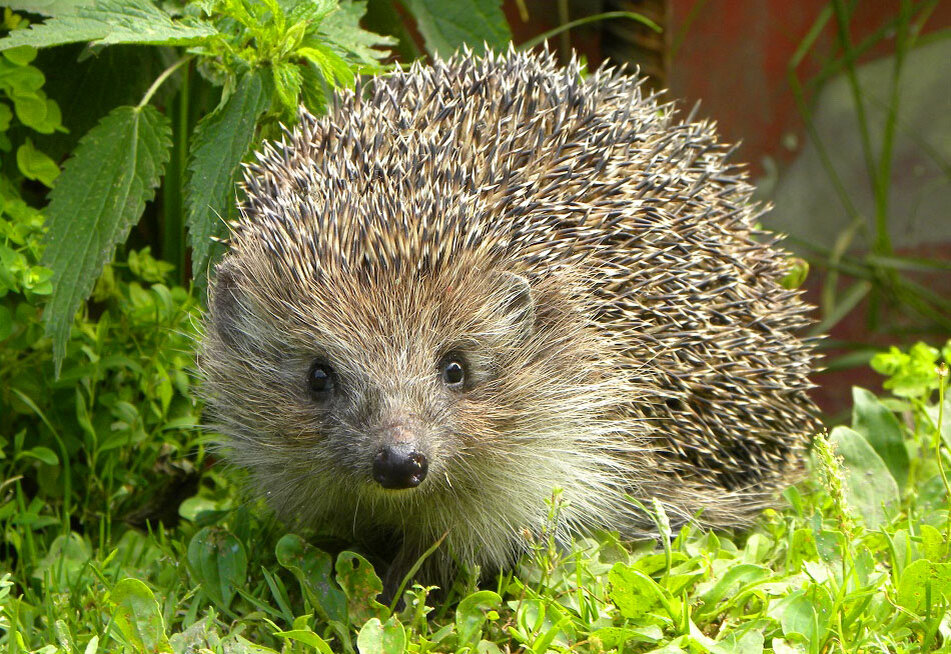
67	444
265	56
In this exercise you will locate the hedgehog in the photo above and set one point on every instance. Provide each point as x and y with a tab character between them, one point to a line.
478	280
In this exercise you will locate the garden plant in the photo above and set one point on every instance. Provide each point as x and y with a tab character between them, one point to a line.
123	127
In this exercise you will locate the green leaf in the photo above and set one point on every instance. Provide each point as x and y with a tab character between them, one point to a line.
447	26
312	567
362	586
921	579
797	273
805	612
932	543
100	194
307	637
312	11
342	28
870	488
750	642
743	573
64	563
36	165
40	453
333	69
21	56
471	614
221	140
107	22
6	115
48	7
382	638
287	85
137	614
218	561
881	429
615	637
116	76
633	592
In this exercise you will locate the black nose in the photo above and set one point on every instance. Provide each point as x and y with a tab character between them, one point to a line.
399	466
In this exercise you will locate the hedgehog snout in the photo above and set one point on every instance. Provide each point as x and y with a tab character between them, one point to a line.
399	463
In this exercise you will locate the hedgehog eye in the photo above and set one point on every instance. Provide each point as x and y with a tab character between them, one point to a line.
321	379
453	370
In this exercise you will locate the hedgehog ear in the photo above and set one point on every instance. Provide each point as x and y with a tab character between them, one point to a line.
225	306
517	304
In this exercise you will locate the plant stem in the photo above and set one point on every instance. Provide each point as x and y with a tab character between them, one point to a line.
168	72
544	36
563	18
842	18
942	385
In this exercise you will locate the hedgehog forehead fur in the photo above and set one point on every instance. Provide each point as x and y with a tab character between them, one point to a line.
591	258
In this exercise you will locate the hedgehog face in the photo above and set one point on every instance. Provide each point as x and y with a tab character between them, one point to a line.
403	393
394	399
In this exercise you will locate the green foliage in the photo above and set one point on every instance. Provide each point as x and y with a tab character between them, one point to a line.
221	140
109	22
845	566
444	25
100	195
117	533
913	374
265	56
138	617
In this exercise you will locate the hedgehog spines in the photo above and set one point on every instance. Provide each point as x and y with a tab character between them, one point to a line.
659	358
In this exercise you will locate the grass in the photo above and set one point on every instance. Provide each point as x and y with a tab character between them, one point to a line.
117	534
856	561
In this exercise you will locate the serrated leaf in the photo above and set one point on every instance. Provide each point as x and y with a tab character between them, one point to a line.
312	11
221	140
447	26
116	76
107	22
287	84
48	7
100	194
342	28
333	68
